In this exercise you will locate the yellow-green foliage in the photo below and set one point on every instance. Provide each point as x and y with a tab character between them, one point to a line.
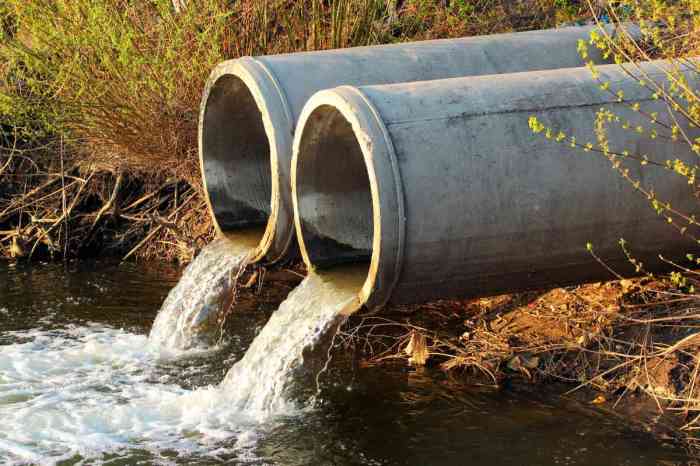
120	76
668	334
671	31
106	93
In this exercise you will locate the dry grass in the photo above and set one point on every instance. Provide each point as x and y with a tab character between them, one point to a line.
630	338
55	208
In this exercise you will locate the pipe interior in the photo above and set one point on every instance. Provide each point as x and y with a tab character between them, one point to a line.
236	157
333	192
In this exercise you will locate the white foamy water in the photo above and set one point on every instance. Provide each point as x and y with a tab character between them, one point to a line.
191	313
82	392
256	384
88	391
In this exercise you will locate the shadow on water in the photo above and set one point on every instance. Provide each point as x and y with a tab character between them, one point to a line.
363	416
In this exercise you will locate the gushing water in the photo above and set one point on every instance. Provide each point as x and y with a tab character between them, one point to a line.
85	391
257	383
191	313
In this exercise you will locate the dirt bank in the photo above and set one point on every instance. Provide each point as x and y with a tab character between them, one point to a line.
629	346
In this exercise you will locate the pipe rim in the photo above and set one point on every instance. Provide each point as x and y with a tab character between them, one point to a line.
381	163
277	120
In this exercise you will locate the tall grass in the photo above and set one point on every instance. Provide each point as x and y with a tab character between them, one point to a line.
118	80
113	86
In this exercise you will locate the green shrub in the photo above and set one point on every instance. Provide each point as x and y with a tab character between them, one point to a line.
671	31
122	79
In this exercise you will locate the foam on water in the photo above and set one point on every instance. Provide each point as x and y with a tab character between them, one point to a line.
191	313
257	383
88	391
81	392
91	394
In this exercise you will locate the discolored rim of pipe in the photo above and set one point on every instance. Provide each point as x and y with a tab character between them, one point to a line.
347	191
244	125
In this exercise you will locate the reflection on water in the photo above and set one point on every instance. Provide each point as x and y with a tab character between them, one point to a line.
79	383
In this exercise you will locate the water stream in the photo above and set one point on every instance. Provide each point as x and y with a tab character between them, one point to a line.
80	383
256	385
191	314
258	382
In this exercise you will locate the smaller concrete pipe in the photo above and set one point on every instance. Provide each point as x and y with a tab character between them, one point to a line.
443	191
250	108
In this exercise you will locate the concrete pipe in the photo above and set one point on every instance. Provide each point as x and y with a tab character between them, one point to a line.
250	108
442	190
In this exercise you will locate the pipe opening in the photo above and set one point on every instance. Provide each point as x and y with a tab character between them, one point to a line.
334	197
236	158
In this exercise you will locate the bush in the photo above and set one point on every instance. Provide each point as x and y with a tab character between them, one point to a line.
655	346
119	80
95	86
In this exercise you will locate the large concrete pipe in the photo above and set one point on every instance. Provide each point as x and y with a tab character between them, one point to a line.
250	107
442	190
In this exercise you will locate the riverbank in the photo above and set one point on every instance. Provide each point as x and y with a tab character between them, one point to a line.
628	346
91	192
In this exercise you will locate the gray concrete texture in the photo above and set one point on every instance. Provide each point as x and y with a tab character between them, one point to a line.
442	189
251	105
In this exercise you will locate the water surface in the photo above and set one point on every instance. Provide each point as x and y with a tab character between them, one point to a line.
80	384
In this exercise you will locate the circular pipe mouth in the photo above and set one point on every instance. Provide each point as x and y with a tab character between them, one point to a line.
348	203
243	119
